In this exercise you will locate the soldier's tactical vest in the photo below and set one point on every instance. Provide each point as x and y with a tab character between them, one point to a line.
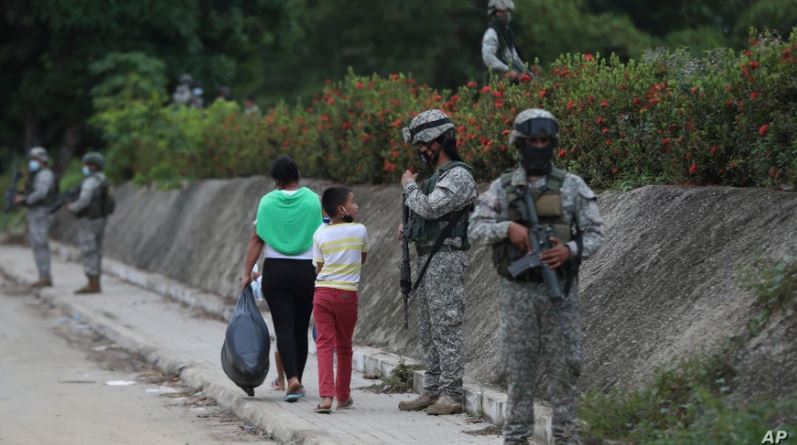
101	205
427	230
548	203
52	194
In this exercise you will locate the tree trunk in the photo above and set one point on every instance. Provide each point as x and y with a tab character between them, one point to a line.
68	148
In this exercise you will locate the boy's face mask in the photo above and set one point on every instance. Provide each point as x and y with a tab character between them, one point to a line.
347	218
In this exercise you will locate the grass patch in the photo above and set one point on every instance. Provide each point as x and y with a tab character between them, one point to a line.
689	403
398	381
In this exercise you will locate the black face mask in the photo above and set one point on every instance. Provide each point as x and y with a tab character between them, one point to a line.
536	161
346	218
427	160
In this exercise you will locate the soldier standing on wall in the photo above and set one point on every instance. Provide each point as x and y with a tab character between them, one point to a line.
499	52
534	327
40	193
92	208
438	227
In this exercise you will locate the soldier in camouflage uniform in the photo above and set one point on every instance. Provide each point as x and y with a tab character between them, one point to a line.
499	52
534	329
92	208
40	194
443	199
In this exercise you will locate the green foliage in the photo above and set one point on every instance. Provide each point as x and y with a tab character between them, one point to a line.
399	380
775	289
723	118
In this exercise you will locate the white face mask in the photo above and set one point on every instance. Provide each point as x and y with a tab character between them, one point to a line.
86	170
34	165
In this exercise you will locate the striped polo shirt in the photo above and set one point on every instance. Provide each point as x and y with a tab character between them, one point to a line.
340	248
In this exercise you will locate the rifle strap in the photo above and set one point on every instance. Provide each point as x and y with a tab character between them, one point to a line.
438	243
576	263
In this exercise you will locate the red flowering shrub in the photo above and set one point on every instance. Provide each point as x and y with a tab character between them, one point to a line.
727	118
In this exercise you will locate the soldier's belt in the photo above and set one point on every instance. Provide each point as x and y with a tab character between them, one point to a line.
426	250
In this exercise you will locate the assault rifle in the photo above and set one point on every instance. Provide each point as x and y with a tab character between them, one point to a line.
405	279
70	195
539	237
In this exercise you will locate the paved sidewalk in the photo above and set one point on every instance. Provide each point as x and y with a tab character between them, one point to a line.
170	336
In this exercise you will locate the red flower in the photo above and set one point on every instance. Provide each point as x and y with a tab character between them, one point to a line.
713	149
600	120
506	132
693	90
359	86
615	170
665	141
753	65
472	84
542	93
754	95
346	125
604	103
589	57
499	104
394	76
525	78
604	130
389	166
562	153
763	130
486	89
570	104
693	169
396	123
498	94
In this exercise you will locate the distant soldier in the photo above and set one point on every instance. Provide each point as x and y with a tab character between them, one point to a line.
182	93
438	226
536	328
250	107
92	208
40	193
499	52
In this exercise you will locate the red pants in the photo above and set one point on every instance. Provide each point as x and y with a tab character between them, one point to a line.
335	313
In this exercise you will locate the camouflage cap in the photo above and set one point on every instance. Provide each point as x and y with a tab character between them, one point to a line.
520	130
494	5
39	153
95	158
427	127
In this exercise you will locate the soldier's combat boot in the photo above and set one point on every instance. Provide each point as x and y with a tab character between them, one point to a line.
445	405
93	286
43	282
423	401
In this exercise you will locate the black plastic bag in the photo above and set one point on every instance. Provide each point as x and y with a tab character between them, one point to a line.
244	355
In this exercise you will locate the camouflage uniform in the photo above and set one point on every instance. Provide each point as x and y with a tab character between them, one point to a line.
497	55
90	230
39	195
440	297
532	329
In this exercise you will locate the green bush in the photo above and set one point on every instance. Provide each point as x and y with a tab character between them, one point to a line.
723	118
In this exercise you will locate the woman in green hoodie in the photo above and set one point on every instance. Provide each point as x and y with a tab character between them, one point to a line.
286	220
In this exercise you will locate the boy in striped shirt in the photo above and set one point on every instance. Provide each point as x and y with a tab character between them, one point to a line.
339	251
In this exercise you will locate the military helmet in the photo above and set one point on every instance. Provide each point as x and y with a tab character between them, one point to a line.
94	158
427	127
39	153
534	122
186	78
494	5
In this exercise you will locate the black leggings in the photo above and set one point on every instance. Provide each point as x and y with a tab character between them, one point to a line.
288	287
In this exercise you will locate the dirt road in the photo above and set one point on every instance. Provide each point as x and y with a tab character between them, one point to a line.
61	383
